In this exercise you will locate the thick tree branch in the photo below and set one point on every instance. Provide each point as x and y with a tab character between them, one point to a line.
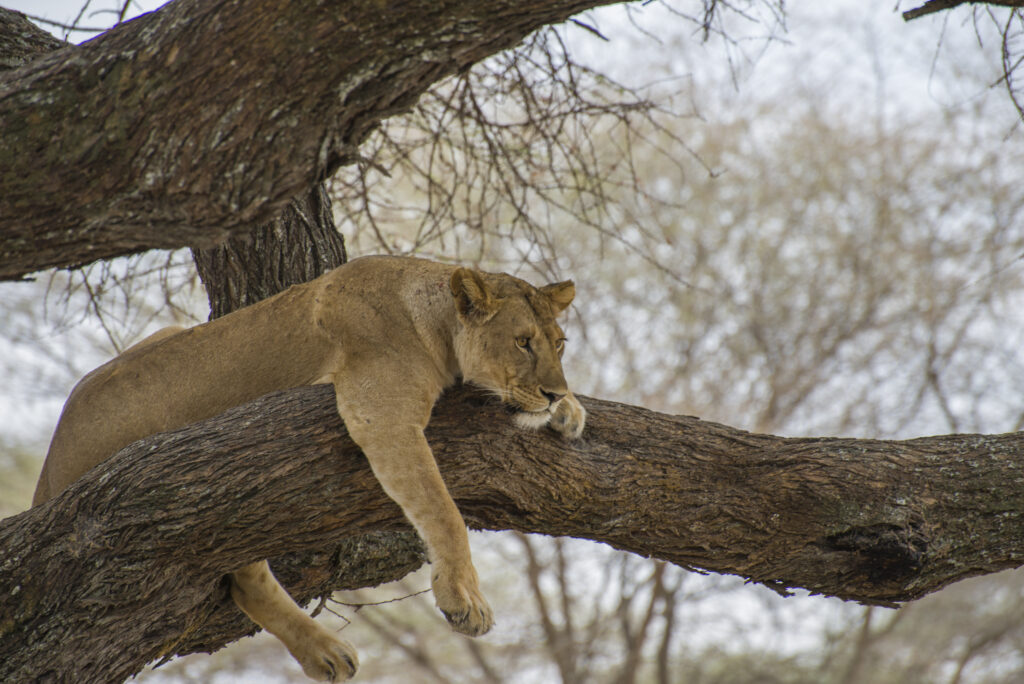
207	116
139	545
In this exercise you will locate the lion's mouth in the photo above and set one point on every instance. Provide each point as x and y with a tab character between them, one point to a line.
514	407
532	420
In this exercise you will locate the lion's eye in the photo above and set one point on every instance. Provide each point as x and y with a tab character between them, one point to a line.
560	345
523	342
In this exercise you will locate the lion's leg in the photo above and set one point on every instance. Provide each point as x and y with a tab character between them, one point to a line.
323	656
404	465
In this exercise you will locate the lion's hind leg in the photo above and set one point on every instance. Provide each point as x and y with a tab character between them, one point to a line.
323	656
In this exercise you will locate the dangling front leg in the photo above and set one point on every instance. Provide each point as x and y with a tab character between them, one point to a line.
323	656
404	465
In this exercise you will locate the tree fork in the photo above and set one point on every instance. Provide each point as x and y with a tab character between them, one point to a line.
139	545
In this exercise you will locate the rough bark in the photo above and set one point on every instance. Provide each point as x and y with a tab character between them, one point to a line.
206	117
299	245
21	41
138	547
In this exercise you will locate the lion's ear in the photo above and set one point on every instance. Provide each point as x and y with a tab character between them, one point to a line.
561	294
472	298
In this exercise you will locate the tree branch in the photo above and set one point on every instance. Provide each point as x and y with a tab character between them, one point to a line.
207	116
21	41
933	6
140	544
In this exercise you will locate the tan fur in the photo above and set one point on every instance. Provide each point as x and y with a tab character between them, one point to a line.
390	334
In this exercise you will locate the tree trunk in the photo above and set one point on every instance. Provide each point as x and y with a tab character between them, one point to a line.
301	244
139	546
206	117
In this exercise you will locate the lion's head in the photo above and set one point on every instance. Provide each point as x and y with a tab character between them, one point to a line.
509	342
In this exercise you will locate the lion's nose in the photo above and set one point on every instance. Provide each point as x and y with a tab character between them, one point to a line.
553	397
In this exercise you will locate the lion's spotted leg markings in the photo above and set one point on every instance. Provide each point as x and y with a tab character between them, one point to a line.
323	656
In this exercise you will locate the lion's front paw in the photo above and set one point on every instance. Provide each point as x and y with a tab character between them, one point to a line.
458	596
569	417
323	656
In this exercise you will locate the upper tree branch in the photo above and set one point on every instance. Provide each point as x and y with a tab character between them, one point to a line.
208	116
933	6
21	41
139	545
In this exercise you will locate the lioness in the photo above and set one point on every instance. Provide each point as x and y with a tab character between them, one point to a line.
390	333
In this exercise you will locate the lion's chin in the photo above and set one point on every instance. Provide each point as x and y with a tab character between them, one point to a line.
531	420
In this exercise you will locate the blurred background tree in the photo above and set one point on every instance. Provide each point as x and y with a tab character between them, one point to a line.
811	223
